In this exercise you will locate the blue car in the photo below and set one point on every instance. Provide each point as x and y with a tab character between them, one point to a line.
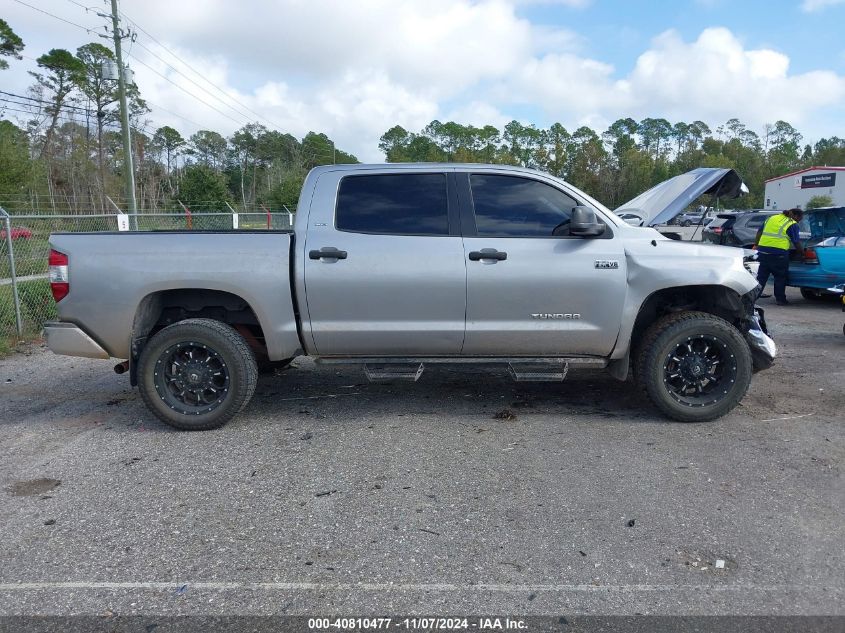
821	265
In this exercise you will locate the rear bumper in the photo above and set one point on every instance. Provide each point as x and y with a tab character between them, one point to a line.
69	340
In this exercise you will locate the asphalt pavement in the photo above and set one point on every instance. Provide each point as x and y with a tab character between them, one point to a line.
462	493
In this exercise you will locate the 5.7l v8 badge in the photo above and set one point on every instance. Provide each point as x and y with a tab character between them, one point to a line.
607	263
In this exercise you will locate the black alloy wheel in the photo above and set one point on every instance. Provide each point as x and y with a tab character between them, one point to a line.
699	371
191	378
694	366
197	374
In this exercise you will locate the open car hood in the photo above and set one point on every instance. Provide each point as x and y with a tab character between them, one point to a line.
663	202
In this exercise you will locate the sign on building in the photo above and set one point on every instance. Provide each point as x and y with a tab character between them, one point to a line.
818	180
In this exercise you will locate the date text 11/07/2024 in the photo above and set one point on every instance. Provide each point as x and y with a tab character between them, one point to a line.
420	623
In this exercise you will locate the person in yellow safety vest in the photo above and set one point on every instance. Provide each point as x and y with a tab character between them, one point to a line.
774	240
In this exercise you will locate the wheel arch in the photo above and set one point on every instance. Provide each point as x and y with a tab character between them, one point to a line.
161	308
714	299
218	390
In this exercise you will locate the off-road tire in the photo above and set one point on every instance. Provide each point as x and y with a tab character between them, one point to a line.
230	350
660	343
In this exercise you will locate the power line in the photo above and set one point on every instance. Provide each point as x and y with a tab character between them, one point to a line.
169	80
196	72
184	118
129	53
49	103
68	117
87	111
205	90
65	117
83	6
56	17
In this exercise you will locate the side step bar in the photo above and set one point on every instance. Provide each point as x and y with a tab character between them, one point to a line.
393	371
550	371
520	369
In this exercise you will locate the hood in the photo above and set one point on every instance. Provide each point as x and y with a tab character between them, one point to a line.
663	202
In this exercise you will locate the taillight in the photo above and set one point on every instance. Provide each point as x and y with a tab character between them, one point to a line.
59	282
717	230
810	256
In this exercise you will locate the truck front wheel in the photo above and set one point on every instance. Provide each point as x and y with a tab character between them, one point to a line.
693	366
197	374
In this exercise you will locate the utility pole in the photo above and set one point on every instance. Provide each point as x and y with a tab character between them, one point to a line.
124	118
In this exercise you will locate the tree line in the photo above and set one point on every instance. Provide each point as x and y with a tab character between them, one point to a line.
66	154
625	159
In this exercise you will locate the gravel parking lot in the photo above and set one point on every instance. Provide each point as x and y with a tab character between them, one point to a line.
464	492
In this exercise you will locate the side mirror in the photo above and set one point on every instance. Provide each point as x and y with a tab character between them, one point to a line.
584	223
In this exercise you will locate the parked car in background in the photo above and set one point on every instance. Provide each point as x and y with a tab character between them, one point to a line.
740	229
694	218
713	231
822	262
821	224
18	233
736	229
630	218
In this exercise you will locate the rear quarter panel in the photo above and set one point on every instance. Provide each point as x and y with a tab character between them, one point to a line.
830	271
111	273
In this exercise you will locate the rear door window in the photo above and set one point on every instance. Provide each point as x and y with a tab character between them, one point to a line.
756	221
834	222
511	206
393	204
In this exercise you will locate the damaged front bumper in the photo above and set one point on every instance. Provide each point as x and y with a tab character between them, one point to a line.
763	348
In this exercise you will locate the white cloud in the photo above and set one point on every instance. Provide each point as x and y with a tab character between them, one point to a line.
715	78
352	70
811	6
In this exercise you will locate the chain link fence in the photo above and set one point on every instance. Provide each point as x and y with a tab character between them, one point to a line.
25	298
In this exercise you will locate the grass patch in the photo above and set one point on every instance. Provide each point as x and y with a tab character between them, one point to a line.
37	306
30	257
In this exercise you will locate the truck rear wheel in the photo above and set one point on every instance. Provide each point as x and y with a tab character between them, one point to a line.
693	366
197	374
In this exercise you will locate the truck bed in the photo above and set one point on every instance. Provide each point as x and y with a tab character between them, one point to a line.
112	274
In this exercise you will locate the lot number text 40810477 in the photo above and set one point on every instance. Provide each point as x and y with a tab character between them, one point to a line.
418	624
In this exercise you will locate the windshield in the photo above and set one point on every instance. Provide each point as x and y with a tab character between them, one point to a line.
823	223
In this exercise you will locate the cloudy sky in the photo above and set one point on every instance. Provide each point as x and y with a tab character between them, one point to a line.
352	69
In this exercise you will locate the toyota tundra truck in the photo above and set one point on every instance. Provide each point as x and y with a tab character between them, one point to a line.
401	266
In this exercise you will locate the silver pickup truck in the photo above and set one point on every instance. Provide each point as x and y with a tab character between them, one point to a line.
399	266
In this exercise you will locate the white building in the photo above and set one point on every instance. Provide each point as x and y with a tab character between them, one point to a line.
796	189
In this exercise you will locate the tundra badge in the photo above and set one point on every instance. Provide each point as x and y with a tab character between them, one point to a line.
607	263
556	315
